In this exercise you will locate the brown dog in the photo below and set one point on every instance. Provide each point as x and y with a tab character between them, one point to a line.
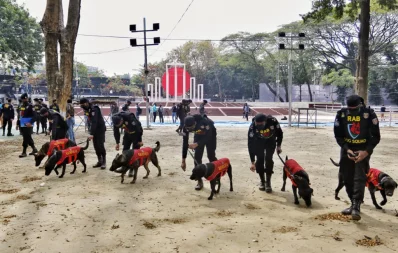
135	158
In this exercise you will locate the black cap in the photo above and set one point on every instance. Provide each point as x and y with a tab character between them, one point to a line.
84	100
205	101
24	96
116	119
9	99
260	117
40	99
43	110
129	102
69	100
189	121
354	101
35	99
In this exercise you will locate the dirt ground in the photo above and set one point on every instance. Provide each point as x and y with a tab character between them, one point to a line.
94	212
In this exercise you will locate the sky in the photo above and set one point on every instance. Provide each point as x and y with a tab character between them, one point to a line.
204	19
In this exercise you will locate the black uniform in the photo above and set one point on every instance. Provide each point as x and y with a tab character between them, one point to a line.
97	129
205	135
26	111
54	107
357	130
37	108
125	108
43	120
202	109
183	110
132	130
59	127
8	117
264	139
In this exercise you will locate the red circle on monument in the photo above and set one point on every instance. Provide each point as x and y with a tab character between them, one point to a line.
180	78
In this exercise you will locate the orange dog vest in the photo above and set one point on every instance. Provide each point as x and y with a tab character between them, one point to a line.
59	144
70	154
294	167
141	155
373	177
220	167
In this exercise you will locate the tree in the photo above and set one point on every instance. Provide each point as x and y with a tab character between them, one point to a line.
323	8
21	42
82	72
60	76
342	79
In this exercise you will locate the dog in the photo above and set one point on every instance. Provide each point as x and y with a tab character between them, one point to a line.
376	181
213	172
135	158
300	180
48	147
63	157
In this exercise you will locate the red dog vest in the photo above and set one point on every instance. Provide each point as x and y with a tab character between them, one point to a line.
59	144
70	154
373	177
140	154
294	167
220	167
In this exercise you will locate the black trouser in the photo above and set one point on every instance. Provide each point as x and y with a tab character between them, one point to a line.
43	121
246	115
265	162
60	134
182	118
99	146
130	140
27	137
211	146
38	120
5	122
154	117
161	117
354	175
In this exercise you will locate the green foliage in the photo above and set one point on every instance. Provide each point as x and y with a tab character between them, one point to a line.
341	78
21	41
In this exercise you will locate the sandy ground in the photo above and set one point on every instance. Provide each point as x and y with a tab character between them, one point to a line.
93	212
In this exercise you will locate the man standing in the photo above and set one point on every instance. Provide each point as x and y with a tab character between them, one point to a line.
356	129
54	106
97	130
138	111
174	113
202	108
27	118
8	116
59	127
246	111
70	119
183	110
43	120
37	108
125	107
205	135
265	134
383	111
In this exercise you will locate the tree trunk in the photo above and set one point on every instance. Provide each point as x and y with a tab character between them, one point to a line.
300	91
361	87
59	79
309	90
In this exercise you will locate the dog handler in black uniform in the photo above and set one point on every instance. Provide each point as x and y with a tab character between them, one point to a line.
356	129
37	108
8	117
265	135
205	135
59	127
27	114
132	132
97	130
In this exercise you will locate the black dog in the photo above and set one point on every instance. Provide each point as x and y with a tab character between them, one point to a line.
48	148
64	157
300	180
376	181
213	172
134	158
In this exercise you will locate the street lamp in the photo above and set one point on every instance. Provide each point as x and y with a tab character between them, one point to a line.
290	70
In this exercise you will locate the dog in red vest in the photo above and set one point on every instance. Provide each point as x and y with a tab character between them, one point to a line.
48	148
213	172
135	158
60	158
300	180
376	180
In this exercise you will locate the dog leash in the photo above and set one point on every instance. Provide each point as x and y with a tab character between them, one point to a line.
193	157
287	167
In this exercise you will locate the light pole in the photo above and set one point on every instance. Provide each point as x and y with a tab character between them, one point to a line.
290	68
133	43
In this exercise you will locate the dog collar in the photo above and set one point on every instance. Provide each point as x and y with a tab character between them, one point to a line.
206	169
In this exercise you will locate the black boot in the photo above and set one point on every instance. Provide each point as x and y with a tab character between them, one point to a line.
34	151
103	165
9	134
99	163
356	209
268	188
262	182
23	153
348	210
200	185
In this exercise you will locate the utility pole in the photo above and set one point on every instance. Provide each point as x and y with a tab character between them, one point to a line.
290	68
133	43
77	80
277	83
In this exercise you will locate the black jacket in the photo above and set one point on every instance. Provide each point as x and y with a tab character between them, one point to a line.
26	111
130	125
94	116
8	111
357	130
268	137
54	107
125	107
58	123
204	131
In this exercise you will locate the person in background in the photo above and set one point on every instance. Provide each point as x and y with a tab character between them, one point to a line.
70	119
138	111
1	114
161	114
154	111
246	111
54	106
37	108
27	116
59	127
125	107
202	108
8	116
383	111
174	113
43	120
